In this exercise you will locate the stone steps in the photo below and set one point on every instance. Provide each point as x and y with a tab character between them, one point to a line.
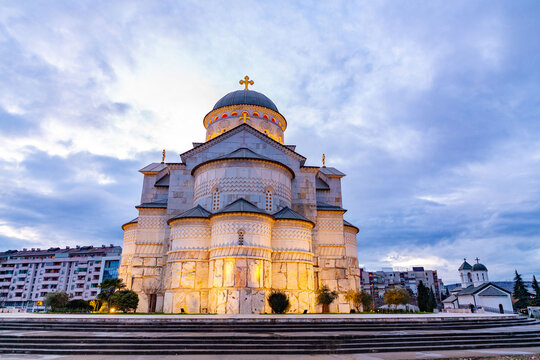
284	347
242	326
290	336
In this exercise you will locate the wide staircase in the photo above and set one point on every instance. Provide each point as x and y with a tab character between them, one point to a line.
185	335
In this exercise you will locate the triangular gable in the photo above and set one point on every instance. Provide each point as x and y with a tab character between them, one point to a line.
493	291
236	130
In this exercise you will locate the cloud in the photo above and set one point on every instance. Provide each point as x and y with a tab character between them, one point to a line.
431	110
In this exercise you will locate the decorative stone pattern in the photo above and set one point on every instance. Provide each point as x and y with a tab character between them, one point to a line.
190	234
257	230
242	178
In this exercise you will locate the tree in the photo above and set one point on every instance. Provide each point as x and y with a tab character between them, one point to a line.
325	297
366	300
520	292
422	297
359	298
396	297
57	300
536	288
96	304
108	288
125	300
432	302
279	302
354	298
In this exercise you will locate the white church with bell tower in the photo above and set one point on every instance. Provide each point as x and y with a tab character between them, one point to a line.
477	293
239	215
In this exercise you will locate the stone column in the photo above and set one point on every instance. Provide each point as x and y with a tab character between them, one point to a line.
292	263
186	285
240	263
332	257
147	262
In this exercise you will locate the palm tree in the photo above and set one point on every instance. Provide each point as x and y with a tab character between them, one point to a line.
108	288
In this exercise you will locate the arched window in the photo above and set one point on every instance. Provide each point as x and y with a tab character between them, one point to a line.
268	200
241	237
469	277
483	277
215	200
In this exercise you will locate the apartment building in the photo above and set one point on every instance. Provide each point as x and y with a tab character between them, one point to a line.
377	282
28	275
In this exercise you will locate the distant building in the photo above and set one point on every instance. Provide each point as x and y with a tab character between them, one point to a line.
27	276
377	282
477	292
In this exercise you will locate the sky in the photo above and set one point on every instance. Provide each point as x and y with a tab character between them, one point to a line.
432	109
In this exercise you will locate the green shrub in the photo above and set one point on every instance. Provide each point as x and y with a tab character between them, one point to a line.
79	306
57	300
125	300
279	302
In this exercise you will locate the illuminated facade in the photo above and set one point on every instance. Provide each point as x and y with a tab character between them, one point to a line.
239	216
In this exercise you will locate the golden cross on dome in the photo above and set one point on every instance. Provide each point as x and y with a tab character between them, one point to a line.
244	116
163	156
323	160
246	82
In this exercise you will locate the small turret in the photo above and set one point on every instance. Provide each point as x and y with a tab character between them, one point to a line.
479	273
465	272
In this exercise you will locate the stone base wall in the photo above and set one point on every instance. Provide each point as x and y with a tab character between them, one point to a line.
338	275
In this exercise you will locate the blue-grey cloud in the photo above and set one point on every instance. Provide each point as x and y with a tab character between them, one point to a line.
431	109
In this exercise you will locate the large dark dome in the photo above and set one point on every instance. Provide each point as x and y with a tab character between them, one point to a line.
248	97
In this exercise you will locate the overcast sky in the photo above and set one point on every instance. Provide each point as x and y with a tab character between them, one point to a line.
432	109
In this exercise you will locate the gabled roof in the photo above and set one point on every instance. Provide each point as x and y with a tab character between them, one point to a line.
158	204
346	223
241	205
328	207
321	185
330	171
465	266
163	182
243	153
153	168
470	290
239	128
134	221
198	212
288	214
450	299
491	291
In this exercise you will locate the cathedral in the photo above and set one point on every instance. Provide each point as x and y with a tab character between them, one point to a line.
239	216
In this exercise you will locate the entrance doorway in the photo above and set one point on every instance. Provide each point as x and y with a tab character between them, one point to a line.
501	309
152	299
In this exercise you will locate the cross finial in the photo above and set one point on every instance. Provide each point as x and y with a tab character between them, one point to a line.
163	156
477	260
246	82
323	160
464	259
244	116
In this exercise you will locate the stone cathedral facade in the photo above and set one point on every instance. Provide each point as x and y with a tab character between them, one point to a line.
239	216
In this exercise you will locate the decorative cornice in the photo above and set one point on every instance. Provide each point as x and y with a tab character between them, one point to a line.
261	109
269	161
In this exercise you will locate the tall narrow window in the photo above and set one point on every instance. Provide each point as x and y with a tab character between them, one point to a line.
240	237
268	200
215	200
